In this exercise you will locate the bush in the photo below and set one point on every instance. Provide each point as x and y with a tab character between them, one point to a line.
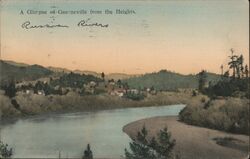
88	153
10	89
5	151
232	116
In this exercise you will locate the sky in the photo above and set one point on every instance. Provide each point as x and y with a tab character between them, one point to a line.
183	36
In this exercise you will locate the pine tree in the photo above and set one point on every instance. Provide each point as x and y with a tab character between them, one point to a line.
246	71
155	148
88	153
103	76
202	80
139	147
5	151
10	89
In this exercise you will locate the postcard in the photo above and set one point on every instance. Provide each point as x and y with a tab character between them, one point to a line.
121	79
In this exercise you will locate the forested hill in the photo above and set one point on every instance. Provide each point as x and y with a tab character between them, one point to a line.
11	71
166	80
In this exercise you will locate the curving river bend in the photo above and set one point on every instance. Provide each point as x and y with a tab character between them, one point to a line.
45	136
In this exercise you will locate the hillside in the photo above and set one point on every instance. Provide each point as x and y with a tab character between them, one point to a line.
14	71
19	64
117	76
166	80
114	76
58	69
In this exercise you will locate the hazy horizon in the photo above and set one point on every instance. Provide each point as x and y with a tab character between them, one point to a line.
182	36
155	71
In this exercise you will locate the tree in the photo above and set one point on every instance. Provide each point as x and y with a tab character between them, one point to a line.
10	89
233	63
5	152
239	66
202	80
38	86
221	67
119	83
140	147
165	146
246	71
226	74
103	76
88	153
155	148
126	86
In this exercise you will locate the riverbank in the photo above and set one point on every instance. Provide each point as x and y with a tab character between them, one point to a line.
194	142
33	104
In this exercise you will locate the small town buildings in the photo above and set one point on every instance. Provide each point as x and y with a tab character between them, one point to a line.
40	92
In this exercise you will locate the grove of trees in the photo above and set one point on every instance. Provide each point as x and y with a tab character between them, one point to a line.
234	84
160	147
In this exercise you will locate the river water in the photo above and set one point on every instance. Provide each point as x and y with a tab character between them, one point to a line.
46	136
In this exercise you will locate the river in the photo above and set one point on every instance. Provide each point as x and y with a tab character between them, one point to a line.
46	136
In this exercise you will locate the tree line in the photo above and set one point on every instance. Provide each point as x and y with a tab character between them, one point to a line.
234	84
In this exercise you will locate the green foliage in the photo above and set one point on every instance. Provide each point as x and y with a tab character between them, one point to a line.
134	96
19	73
202	80
48	89
166	80
74	80
155	148
233	116
5	151
103	76
88	153
194	93
236	85
229	87
10	89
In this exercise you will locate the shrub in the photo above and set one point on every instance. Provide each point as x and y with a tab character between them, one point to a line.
5	151
232	116
10	89
88	153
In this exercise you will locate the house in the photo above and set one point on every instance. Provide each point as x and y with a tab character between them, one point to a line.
92	84
28	91
40	92
148	90
133	91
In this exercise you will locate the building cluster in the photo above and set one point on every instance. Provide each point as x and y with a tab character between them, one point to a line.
111	87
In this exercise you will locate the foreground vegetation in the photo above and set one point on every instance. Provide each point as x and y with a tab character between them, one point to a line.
230	115
5	150
168	81
193	142
160	147
228	106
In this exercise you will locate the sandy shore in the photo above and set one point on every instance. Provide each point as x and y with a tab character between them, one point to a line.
193	142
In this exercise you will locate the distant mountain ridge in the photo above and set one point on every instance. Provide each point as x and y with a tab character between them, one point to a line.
114	76
162	80
167	80
11	70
